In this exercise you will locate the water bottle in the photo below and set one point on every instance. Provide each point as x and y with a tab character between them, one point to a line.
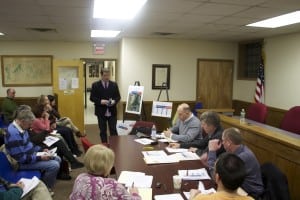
242	116
153	132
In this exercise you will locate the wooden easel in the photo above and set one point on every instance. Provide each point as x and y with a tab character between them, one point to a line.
164	87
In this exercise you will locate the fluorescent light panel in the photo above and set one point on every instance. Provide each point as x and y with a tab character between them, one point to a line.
1	33
282	20
104	33
117	9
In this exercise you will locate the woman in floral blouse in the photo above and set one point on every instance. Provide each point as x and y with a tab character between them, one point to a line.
94	184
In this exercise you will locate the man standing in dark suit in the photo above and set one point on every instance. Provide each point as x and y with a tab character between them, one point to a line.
105	95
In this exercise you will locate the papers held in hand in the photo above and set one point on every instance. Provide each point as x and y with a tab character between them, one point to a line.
29	184
50	153
50	140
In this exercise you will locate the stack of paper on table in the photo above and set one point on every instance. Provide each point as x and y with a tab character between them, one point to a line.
175	196
163	138
29	184
138	179
158	157
144	141
176	150
194	174
50	140
186	156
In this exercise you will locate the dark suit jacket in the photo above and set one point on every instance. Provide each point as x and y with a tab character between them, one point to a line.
98	93
202	144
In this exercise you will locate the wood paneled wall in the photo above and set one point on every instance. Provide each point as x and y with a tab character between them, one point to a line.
160	122
274	116
30	101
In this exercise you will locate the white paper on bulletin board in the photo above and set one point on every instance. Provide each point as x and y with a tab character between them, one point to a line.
134	99
75	83
63	84
162	109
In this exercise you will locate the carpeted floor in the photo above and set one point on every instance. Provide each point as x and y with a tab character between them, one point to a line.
63	189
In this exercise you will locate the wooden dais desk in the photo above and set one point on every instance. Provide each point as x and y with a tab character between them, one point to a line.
129	157
271	144
227	111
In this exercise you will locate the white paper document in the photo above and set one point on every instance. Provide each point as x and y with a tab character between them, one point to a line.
29	184
177	150
136	179
194	174
187	156
175	196
144	141
158	157
51	152
49	140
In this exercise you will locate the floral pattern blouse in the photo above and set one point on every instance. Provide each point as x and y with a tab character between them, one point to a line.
90	187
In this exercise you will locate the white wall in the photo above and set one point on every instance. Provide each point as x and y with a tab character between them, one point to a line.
138	55
60	50
282	74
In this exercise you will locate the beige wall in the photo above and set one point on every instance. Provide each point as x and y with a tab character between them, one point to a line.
138	55
60	50
282	74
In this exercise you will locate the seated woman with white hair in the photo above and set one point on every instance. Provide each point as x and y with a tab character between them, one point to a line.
95	184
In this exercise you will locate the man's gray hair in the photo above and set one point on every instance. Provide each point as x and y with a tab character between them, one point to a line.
25	115
211	118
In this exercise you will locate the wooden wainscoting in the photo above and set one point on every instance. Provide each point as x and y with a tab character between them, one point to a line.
30	101
161	123
274	116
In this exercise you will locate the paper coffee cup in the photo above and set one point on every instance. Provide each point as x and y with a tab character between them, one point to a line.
177	182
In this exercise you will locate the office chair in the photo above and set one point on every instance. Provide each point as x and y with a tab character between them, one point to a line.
291	119
275	183
257	112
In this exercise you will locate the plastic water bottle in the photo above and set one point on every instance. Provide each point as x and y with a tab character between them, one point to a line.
153	132
242	116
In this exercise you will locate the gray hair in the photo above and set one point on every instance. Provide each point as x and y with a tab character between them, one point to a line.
211	118
20	108
25	115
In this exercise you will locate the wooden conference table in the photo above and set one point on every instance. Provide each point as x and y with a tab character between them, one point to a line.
129	157
271	144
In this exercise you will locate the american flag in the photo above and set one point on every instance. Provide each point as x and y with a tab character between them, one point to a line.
259	96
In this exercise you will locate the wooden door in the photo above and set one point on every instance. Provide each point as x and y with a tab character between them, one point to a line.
214	83
68	85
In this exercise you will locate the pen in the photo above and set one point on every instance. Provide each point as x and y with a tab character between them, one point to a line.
132	186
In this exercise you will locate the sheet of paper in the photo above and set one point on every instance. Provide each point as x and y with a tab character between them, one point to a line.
144	141
49	140
63	84
194	174
187	156
145	193
175	196
177	150
75	83
29	184
138	179
187	195
158	157
167	140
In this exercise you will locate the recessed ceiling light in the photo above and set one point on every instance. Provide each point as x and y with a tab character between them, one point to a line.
117	9
1	33
282	20
104	33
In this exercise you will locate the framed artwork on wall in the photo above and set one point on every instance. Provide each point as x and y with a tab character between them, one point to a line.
26	70
160	75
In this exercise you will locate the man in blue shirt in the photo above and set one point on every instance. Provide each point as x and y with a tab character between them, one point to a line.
19	146
232	142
